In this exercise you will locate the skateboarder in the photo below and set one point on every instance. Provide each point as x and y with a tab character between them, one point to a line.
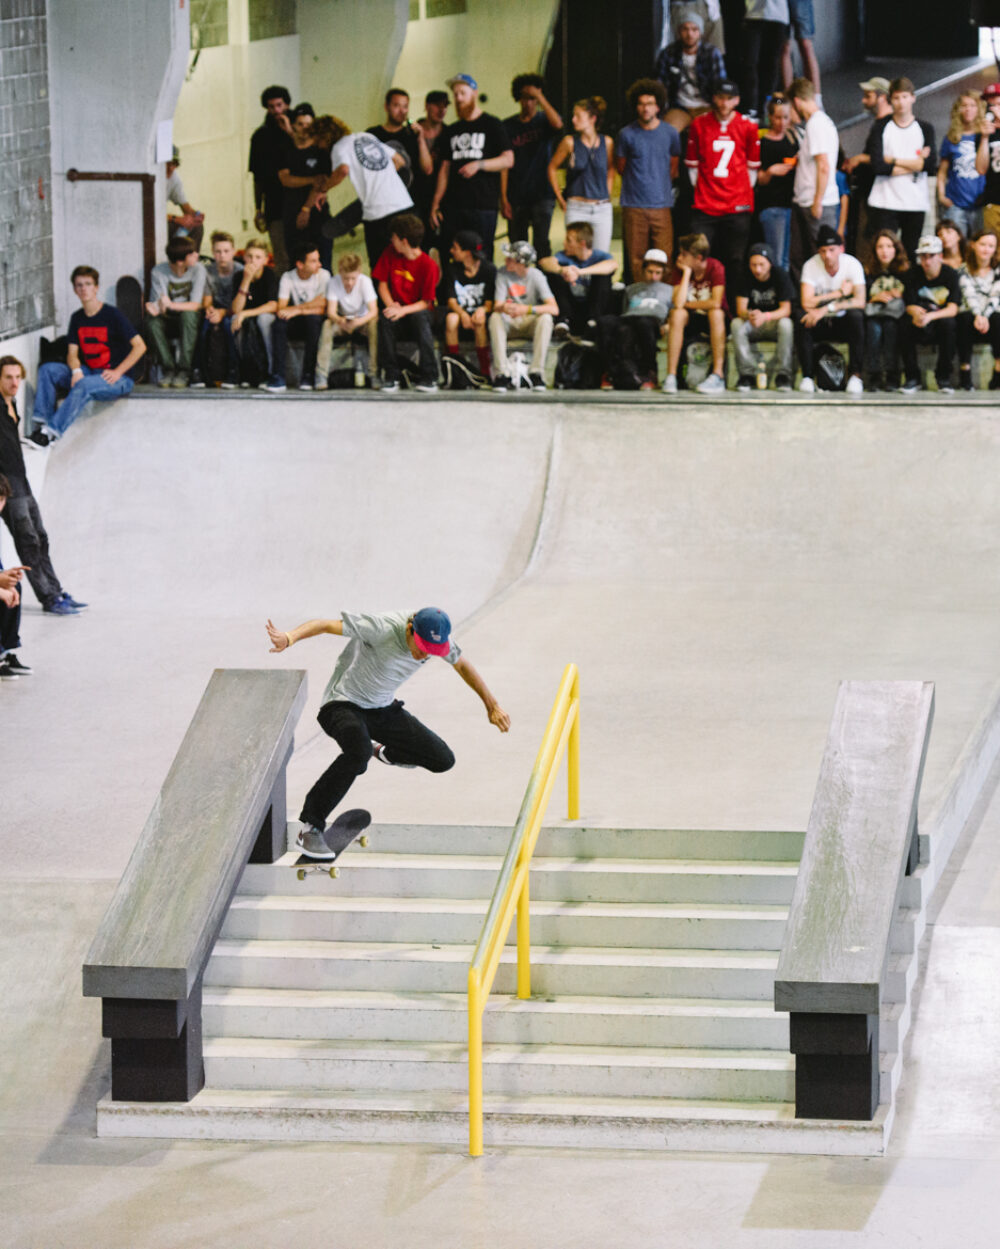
358	704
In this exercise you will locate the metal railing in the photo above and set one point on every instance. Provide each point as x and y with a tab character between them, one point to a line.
562	735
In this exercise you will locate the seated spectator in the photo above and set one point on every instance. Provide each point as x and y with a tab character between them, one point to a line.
932	296
253	309
523	309
216	342
628	342
103	346
817	199
351	317
407	281
590	171
764	313
177	289
305	177
701	315
903	155
953	245
580	280
470	288
526	199
779	154
884	310
21	513
300	315
689	68
189	223
11	666
647	157
959	183
833	301
979	319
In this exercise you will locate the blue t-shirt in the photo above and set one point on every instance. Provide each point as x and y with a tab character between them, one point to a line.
963	186
103	340
579	288
646	181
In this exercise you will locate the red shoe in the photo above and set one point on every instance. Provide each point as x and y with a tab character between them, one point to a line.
607	383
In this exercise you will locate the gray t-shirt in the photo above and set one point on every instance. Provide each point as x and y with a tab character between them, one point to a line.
376	660
223	288
530	290
649	299
187	289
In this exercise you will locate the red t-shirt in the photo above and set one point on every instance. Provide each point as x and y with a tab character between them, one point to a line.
409	281
700	289
723	153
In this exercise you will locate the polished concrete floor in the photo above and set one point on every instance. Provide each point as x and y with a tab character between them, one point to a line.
715	570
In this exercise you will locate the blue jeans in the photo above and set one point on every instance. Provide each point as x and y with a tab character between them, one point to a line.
968	220
776	224
56	379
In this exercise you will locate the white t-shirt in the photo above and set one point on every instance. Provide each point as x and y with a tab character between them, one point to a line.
820	139
351	303
907	193
850	269
373	175
302	290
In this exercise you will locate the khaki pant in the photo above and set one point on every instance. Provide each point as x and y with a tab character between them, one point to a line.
327	342
537	328
643	228
991	218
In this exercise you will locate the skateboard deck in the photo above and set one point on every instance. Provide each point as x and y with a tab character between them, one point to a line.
347	827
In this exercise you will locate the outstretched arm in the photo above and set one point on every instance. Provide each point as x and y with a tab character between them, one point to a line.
474	681
280	641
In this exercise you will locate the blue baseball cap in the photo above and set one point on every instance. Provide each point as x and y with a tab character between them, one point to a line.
467	79
432	630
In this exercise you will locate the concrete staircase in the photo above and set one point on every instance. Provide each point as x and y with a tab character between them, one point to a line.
335	1009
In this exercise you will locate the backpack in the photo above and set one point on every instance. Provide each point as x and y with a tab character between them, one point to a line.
458	375
831	371
698	359
253	353
215	355
578	368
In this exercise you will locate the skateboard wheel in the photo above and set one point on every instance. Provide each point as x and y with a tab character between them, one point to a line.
301	873
334	872
362	841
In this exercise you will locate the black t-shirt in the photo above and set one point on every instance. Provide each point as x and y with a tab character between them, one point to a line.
103	340
776	192
268	153
302	162
11	455
931	293
991	192
410	144
263	289
470	293
532	144
466	141
767	295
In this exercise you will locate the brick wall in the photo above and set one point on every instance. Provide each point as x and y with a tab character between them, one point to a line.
26	299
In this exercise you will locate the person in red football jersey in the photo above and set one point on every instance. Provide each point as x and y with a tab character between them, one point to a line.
723	156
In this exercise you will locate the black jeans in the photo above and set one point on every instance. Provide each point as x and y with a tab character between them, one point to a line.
377	236
968	336
577	312
10	623
762	44
908	225
482	220
305	329
539	217
415	327
729	238
352	728
848	328
942	333
629	339
24	520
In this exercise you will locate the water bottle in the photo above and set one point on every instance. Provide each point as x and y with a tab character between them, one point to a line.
761	375
359	370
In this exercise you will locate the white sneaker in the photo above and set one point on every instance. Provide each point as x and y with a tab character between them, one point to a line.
670	384
807	386
855	386
712	385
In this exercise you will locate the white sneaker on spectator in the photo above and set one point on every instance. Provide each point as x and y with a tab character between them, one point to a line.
807	386
670	384
712	385
855	386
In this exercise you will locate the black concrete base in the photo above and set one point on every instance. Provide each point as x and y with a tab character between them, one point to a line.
152	1059
836	1065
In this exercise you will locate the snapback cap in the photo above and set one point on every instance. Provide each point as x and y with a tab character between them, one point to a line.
465	79
929	245
432	630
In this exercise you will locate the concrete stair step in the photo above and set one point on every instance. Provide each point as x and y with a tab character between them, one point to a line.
451	921
577	971
512	1070
441	1119
374	873
660	1022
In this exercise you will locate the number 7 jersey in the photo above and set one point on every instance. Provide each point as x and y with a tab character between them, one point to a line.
723	152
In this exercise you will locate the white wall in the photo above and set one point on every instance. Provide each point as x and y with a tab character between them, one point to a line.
115	69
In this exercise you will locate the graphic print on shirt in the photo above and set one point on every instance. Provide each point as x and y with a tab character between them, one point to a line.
370	153
937	295
470	296
94	346
468	146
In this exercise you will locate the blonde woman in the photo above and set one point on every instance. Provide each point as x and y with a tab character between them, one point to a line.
959	186
590	174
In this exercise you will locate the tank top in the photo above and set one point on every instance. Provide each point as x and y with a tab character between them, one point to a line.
587	177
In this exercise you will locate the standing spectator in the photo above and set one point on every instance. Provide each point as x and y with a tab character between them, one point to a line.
979	320
628	342
581	281
590	174
689	68
474	149
884	310
903	154
177	289
526	199
11	666
407	281
765	32
932	295
833	300
875	101
190	222
817	199
216	340
959	183
764	314
351	316
268	147
988	158
470	287
953	245
397	132
723	157
803	31
779	154
21	514
103	347
305	178
647	155
523	309
254	306
301	310
701	315
424	185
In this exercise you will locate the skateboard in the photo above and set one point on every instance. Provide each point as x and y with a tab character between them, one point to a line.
347	827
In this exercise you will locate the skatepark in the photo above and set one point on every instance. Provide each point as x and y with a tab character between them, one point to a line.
715	570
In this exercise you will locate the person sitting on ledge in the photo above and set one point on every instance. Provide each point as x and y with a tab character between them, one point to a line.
833	302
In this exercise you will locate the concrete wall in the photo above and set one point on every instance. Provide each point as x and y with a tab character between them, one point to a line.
26	302
115	69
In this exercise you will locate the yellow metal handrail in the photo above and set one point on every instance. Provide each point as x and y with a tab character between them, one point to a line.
561	733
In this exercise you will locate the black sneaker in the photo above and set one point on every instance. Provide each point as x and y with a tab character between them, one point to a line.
782	382
560	329
945	387
965	379
910	386
14	665
537	381
40	438
7	673
745	382
502	383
